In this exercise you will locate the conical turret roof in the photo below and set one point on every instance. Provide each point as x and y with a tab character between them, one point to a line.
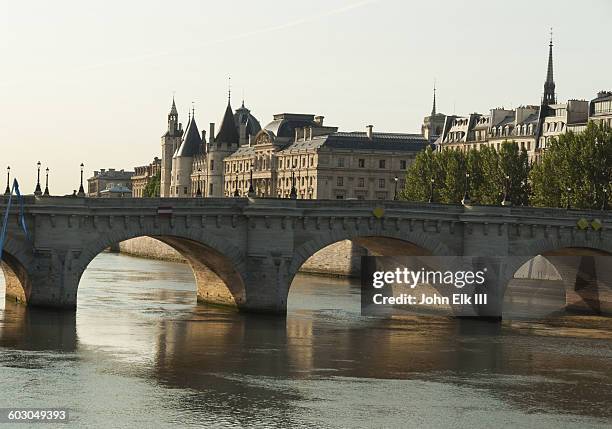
192	141
227	132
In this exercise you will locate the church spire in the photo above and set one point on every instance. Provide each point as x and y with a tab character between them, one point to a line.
433	109
549	84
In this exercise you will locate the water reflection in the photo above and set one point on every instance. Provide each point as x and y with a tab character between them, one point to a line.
140	337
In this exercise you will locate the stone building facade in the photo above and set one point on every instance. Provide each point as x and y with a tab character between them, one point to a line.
143	175
530	126
192	166
297	152
292	151
110	183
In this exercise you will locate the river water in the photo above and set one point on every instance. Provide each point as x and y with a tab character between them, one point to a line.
139	352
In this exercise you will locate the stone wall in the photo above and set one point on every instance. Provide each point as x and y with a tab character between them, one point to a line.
147	247
339	259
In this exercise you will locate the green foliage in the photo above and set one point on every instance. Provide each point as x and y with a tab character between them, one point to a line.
487	167
575	167
152	188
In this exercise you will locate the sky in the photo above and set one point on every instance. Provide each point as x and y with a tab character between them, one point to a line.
93	81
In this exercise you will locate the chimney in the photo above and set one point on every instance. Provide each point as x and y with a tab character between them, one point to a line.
242	134
305	133
319	120
309	133
211	133
203	136
369	131
296	134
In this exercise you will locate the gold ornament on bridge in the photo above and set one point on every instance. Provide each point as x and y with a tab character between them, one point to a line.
378	212
582	223
596	224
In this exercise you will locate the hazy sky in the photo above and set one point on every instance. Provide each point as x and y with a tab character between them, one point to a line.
92	81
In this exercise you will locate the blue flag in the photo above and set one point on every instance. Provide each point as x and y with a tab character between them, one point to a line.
22	222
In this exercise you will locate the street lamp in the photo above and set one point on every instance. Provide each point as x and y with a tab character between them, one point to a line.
569	190
395	192
431	190
236	192
8	180
604	203
293	194
46	193
506	201
466	196
199	190
38	191
251	193
81	189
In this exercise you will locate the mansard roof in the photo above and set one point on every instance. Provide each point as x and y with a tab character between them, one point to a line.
192	142
228	132
397	142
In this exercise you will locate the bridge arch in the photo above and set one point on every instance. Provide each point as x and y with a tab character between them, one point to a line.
16	263
413	243
218	267
582	269
382	243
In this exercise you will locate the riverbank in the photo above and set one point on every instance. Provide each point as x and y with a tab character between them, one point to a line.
342	259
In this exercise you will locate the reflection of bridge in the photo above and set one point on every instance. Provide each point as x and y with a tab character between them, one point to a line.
246	252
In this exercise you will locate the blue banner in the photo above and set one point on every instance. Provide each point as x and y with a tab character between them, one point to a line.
22	222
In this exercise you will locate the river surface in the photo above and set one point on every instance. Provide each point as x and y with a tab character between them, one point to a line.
139	352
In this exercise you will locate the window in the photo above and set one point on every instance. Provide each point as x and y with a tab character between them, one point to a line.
312	161
339	197
402	164
210	189
381	183
361	182
340	162
212	164
381	163
281	163
361	163
340	181
185	190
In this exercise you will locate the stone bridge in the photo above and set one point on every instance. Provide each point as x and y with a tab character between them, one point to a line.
246	252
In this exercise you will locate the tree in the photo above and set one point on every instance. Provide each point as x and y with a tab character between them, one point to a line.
153	187
487	167
575	169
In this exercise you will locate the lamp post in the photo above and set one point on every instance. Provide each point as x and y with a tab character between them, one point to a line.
46	193
431	190
293	194
604	203
395	179
251	193
236	192
506	201
38	191
569	205
466	196
8	180
81	192
199	190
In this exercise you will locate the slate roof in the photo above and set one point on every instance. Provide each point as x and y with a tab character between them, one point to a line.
244	116
192	141
227	132
360	141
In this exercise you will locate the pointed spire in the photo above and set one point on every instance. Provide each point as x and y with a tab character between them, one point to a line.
229	89
433	109
173	110
549	84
